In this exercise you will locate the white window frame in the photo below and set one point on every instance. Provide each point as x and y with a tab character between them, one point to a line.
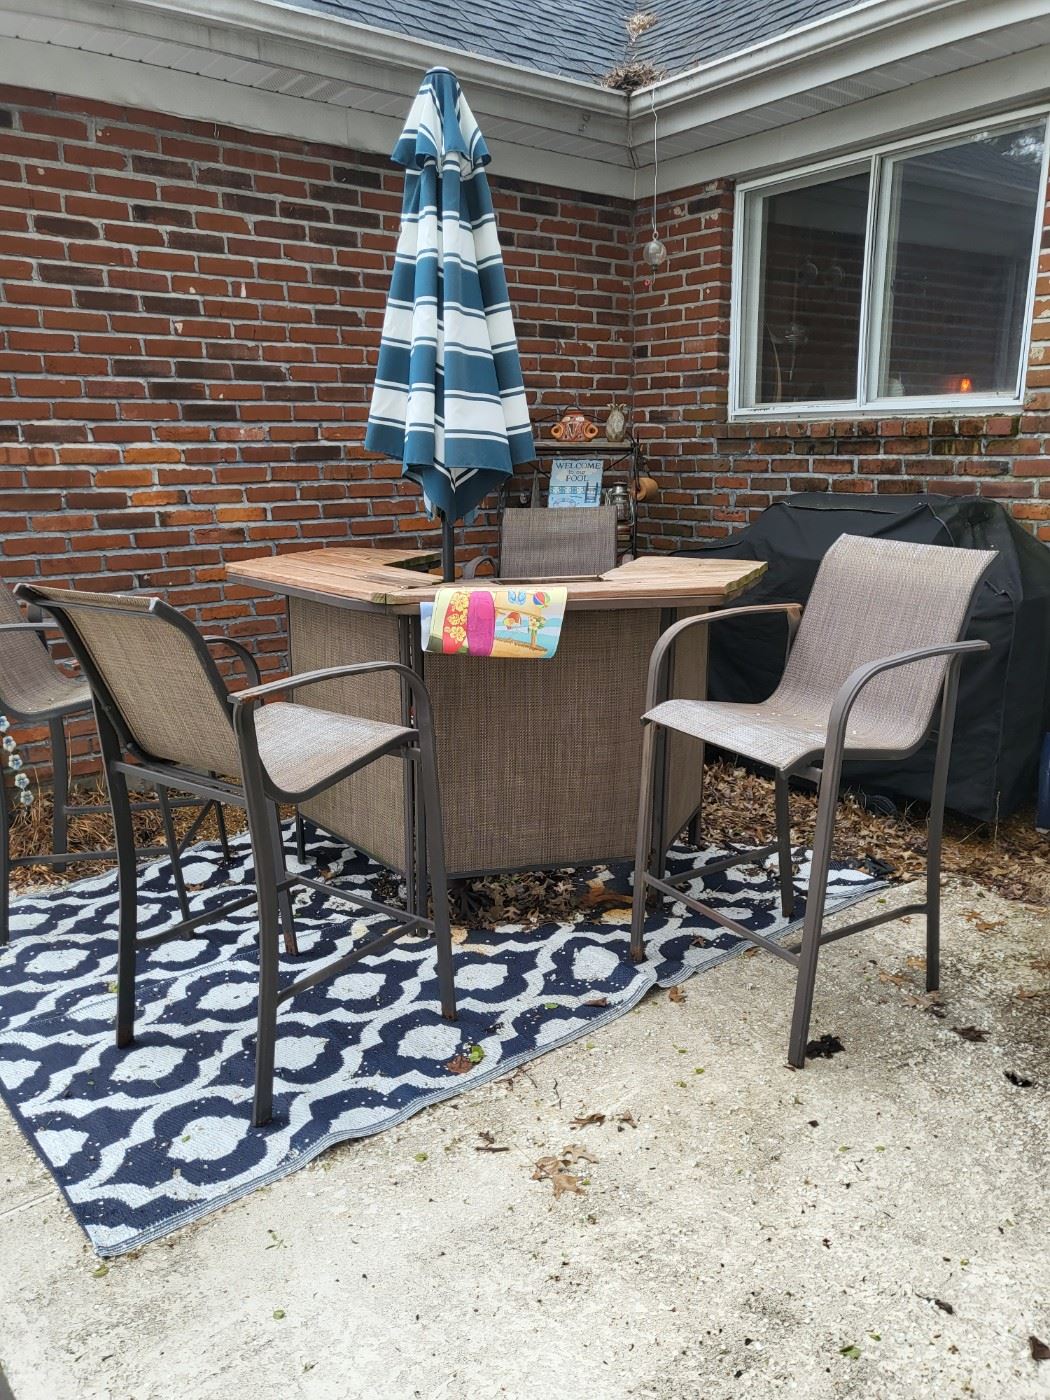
746	284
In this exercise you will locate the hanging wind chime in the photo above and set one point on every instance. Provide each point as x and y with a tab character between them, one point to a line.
654	252
15	762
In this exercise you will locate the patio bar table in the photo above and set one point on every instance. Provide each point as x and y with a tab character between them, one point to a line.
539	760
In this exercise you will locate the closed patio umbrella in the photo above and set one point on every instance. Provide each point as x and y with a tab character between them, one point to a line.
448	401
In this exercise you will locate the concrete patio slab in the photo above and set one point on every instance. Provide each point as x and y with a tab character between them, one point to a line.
873	1226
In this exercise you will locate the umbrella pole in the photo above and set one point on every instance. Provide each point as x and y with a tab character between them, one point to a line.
448	550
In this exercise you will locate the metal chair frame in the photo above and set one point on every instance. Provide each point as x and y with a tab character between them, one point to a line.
63	811
824	767
258	796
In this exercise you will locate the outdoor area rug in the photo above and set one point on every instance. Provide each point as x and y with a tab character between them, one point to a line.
144	1140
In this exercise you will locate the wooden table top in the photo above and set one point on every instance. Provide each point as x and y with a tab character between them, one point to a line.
398	580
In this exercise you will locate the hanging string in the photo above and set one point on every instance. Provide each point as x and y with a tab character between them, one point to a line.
654	252
656	154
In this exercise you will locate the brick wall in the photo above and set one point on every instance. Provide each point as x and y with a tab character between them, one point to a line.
716	475
189	317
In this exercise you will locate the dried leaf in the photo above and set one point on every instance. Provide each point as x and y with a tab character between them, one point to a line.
675	993
971	1033
600	896
627	1118
916	963
824	1047
459	1064
553	1169
928	1001
895	979
596	1001
1040	1351
981	922
1018	1079
566	1184
572	1153
588	1120
545	1167
488	1143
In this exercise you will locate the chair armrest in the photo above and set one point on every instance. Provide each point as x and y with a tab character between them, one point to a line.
850	689
667	640
38	627
240	651
472	566
244	701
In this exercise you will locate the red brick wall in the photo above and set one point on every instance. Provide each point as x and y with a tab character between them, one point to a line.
715	475
189	317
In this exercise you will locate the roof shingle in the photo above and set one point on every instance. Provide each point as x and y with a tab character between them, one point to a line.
589	38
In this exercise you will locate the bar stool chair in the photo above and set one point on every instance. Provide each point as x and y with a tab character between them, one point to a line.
34	690
541	543
872	666
165	715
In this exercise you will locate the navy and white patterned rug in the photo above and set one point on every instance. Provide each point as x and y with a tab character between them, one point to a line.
146	1139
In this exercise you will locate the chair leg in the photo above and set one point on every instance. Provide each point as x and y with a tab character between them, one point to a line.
815	899
643	841
128	905
300	838
434	836
5	866
173	851
938	791
269	865
266	876
695	830
59	790
224	835
280	872
782	793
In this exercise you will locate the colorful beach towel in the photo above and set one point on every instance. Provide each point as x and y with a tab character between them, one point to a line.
523	621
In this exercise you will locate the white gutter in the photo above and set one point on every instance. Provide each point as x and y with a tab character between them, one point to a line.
863	22
889	27
273	19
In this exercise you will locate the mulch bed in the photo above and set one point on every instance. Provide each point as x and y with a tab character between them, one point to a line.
1009	857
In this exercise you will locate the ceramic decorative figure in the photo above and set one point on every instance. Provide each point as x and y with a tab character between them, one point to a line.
574	427
616	422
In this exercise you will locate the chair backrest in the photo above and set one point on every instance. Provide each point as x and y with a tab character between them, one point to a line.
30	682
151	671
537	544
873	598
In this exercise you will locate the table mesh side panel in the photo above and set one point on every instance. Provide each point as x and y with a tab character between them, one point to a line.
539	760
367	809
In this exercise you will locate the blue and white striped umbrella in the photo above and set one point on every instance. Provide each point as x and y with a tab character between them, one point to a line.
448	401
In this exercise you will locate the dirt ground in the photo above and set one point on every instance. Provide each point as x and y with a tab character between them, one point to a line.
874	1226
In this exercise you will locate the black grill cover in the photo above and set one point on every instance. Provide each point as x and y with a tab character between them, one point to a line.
1004	695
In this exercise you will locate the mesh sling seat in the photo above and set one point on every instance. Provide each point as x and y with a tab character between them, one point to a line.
34	690
165	715
877	648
